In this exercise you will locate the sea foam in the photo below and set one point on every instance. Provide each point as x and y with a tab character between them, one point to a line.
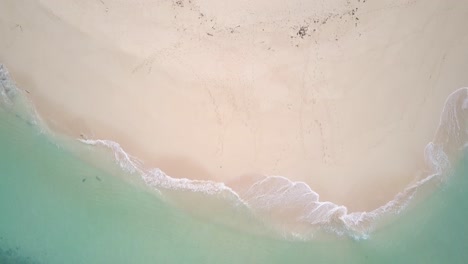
292	208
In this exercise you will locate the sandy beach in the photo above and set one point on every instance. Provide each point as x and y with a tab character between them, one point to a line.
341	95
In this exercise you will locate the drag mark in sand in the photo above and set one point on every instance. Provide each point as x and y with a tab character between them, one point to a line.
219	121
17	27
304	95
105	6
146	63
215	105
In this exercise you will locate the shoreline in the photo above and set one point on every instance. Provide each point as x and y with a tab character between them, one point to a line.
292	209
92	87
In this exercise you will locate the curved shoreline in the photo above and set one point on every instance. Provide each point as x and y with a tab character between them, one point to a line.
291	206
340	97
298	204
345	108
319	215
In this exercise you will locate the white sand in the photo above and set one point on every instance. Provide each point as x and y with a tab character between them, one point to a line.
210	89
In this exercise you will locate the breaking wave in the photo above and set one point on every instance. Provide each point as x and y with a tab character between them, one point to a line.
293	209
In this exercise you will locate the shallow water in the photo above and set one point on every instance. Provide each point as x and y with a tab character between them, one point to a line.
55	207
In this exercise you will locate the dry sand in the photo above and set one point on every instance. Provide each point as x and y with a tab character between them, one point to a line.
342	95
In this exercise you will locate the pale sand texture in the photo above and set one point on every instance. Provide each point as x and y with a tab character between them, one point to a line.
210	89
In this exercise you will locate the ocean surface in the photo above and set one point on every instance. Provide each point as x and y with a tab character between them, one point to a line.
62	201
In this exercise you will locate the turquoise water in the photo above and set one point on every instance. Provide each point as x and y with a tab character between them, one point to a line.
57	208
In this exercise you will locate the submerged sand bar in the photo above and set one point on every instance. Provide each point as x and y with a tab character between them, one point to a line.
341	95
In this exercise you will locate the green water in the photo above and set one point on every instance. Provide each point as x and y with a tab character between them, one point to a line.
56	208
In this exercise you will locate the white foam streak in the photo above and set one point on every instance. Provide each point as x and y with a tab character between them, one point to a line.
7	88
12	99
126	162
157	178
